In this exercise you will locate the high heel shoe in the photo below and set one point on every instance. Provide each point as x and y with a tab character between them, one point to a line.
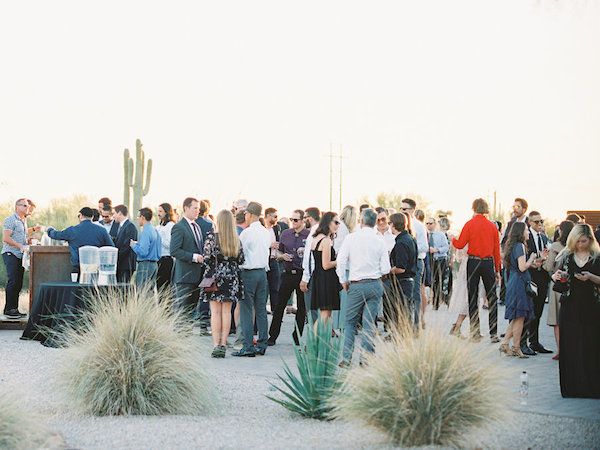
504	348
516	351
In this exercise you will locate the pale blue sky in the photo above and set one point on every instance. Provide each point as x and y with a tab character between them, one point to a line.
451	99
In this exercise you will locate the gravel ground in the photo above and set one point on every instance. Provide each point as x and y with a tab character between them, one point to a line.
247	419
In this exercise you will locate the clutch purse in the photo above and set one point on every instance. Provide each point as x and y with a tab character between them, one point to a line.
208	284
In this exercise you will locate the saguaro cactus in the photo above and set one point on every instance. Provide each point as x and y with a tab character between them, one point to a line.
133	178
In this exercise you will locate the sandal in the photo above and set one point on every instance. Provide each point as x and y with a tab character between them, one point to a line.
504	348
516	351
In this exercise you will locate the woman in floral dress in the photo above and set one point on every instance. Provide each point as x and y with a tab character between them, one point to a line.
223	256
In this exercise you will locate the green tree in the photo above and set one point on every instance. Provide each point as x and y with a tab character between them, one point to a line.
394	200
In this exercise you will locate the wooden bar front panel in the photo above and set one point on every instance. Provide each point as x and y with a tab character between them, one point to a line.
47	263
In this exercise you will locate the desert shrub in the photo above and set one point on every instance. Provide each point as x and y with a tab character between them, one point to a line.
19	429
425	389
131	354
309	392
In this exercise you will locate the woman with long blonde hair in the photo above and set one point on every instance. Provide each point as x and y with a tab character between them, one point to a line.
223	256
579	315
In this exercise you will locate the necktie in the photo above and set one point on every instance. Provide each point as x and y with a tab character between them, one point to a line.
539	242
196	234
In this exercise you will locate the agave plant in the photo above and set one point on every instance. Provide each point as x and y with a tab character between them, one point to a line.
309	393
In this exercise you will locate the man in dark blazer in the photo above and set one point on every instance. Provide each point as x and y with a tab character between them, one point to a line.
127	232
538	244
85	233
187	247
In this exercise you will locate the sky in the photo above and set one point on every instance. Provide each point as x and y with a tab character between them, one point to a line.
449	99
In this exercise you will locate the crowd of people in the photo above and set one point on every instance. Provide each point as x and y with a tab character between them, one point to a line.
351	270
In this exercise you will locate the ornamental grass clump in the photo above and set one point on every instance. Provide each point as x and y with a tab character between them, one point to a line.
20	429
133	355
309	392
424	389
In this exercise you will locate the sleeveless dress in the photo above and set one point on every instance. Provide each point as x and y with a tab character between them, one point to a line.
518	303
325	284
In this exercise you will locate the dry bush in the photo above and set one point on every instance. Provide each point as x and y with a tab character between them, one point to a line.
20	429
425	389
131	354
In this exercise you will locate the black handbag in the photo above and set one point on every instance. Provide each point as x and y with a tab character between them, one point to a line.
531	289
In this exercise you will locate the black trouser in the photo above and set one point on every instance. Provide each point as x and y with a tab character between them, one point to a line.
163	277
437	280
14	284
187	296
274	280
290	282
396	299
502	287
124	276
482	269
531	329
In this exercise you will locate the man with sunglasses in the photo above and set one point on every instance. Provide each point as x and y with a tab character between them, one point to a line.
14	243
408	207
537	244
291	251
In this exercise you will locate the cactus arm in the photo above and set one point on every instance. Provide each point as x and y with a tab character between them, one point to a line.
148	177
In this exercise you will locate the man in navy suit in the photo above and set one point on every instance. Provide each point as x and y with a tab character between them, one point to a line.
538	244
127	232
85	233
206	226
187	247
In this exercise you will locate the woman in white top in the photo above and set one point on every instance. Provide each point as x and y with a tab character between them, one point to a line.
166	217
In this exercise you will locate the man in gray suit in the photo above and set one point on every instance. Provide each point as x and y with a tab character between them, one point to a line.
187	248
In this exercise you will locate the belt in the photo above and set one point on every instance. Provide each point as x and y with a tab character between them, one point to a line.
486	258
366	280
147	260
248	270
293	271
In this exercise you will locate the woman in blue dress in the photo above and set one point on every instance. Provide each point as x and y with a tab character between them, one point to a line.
519	306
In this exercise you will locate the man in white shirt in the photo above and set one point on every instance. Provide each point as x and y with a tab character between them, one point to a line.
365	257
408	207
256	243
313	216
383	229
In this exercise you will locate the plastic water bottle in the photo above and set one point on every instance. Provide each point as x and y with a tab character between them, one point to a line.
524	389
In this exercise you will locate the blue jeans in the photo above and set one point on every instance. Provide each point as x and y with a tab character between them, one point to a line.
416	293
255	300
363	303
14	284
146	273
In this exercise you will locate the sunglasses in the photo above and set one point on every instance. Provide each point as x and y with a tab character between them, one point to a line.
296	220
405	209
430	223
538	221
337	222
381	219
24	206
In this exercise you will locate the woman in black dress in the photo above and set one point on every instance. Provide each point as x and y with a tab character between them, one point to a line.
223	257
579	316
325	284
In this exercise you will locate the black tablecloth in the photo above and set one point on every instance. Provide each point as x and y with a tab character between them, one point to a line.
56	304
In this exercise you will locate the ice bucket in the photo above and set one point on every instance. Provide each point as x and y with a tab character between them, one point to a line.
108	265
89	260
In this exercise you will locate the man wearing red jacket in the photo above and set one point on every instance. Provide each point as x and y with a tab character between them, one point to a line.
484	260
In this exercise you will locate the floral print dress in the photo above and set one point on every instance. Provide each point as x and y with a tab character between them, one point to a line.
226	271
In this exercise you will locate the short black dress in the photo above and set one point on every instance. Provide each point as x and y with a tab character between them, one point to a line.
579	321
324	284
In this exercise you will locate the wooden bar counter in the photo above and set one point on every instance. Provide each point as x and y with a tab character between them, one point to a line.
48	263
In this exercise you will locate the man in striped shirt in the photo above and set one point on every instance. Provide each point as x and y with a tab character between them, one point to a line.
14	243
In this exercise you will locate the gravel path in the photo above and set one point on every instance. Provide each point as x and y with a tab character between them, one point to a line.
247	418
